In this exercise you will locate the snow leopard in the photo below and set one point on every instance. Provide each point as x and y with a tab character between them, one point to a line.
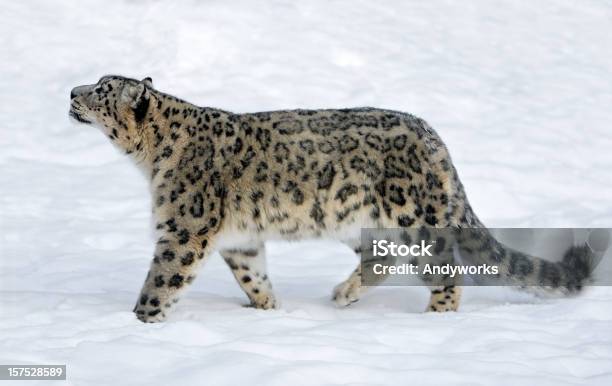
228	182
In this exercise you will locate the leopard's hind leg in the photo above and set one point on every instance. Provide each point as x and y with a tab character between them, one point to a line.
444	298
350	290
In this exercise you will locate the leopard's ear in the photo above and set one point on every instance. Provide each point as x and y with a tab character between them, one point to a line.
148	82
137	97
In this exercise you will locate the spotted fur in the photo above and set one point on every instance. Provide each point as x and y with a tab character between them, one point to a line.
228	182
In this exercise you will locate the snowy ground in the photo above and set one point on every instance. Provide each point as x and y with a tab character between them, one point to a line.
521	91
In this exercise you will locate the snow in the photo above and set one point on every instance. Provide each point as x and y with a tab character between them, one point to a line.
520	92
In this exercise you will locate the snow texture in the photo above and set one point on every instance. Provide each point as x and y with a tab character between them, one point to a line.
520	91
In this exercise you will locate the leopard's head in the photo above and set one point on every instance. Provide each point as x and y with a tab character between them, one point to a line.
116	105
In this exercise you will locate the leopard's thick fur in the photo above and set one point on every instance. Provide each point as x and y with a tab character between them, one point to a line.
228	182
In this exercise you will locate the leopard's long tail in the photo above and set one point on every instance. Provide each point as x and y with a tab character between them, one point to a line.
477	245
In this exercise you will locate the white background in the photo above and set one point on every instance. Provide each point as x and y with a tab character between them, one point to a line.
521	92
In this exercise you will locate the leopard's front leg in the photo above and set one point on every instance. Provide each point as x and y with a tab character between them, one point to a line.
174	266
249	268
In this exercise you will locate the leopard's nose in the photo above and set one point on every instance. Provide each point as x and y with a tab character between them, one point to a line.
79	90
